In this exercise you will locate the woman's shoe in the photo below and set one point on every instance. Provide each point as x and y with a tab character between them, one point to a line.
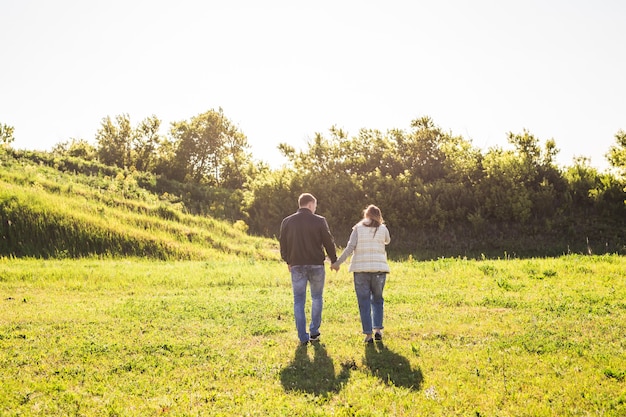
368	339
378	336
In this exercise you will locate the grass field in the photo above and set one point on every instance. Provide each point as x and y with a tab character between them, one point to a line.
531	337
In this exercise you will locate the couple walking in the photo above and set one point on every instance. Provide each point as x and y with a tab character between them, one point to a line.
304	236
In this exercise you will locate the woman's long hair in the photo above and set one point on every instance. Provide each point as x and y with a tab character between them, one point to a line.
375	217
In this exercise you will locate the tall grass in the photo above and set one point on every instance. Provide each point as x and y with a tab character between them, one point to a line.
133	337
44	213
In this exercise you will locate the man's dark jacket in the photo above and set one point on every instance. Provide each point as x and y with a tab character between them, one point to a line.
303	238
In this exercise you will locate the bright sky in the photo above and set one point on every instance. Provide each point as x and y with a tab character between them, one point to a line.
284	70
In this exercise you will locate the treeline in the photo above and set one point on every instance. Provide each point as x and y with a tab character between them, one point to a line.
440	195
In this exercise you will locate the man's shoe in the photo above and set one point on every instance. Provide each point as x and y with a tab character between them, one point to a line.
314	337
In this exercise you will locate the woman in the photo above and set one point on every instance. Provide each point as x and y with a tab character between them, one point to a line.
369	265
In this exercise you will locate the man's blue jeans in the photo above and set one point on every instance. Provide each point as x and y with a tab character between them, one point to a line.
369	293
300	276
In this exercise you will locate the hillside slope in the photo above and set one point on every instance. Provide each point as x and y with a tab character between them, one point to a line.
47	213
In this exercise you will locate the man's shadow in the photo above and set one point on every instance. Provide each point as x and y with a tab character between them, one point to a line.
315	376
392	368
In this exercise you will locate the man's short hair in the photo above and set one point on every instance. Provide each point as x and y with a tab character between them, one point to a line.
305	199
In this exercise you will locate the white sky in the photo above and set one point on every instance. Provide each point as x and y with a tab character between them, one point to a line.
283	70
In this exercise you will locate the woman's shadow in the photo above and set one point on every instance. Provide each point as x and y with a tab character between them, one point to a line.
392	368
315	376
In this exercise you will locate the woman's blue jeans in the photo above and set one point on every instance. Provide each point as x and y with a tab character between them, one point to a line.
300	276
369	294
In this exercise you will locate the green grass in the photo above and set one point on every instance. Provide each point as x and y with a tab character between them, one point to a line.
48	214
133	337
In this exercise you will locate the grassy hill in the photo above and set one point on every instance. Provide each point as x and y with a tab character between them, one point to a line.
45	213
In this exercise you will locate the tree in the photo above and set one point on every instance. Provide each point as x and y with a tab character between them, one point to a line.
78	148
535	169
617	153
504	196
144	144
321	155
534	162
370	150
6	135
114	141
236	160
581	179
210	149
421	151
269	198
121	145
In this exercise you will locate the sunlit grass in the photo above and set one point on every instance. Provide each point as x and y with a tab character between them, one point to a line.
538	337
54	215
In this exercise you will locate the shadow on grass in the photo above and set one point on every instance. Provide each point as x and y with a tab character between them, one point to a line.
392	368
315	376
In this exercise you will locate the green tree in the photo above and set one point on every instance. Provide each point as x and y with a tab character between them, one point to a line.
463	161
165	159
617	153
145	143
535	169
78	148
535	162
114	141
6	135
370	150
420	151
236	162
121	145
320	156
504	197
270	196
582	179
210	149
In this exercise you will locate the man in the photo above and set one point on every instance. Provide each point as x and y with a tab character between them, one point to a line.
304	236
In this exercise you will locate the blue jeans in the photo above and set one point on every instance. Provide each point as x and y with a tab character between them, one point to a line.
369	294
300	276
